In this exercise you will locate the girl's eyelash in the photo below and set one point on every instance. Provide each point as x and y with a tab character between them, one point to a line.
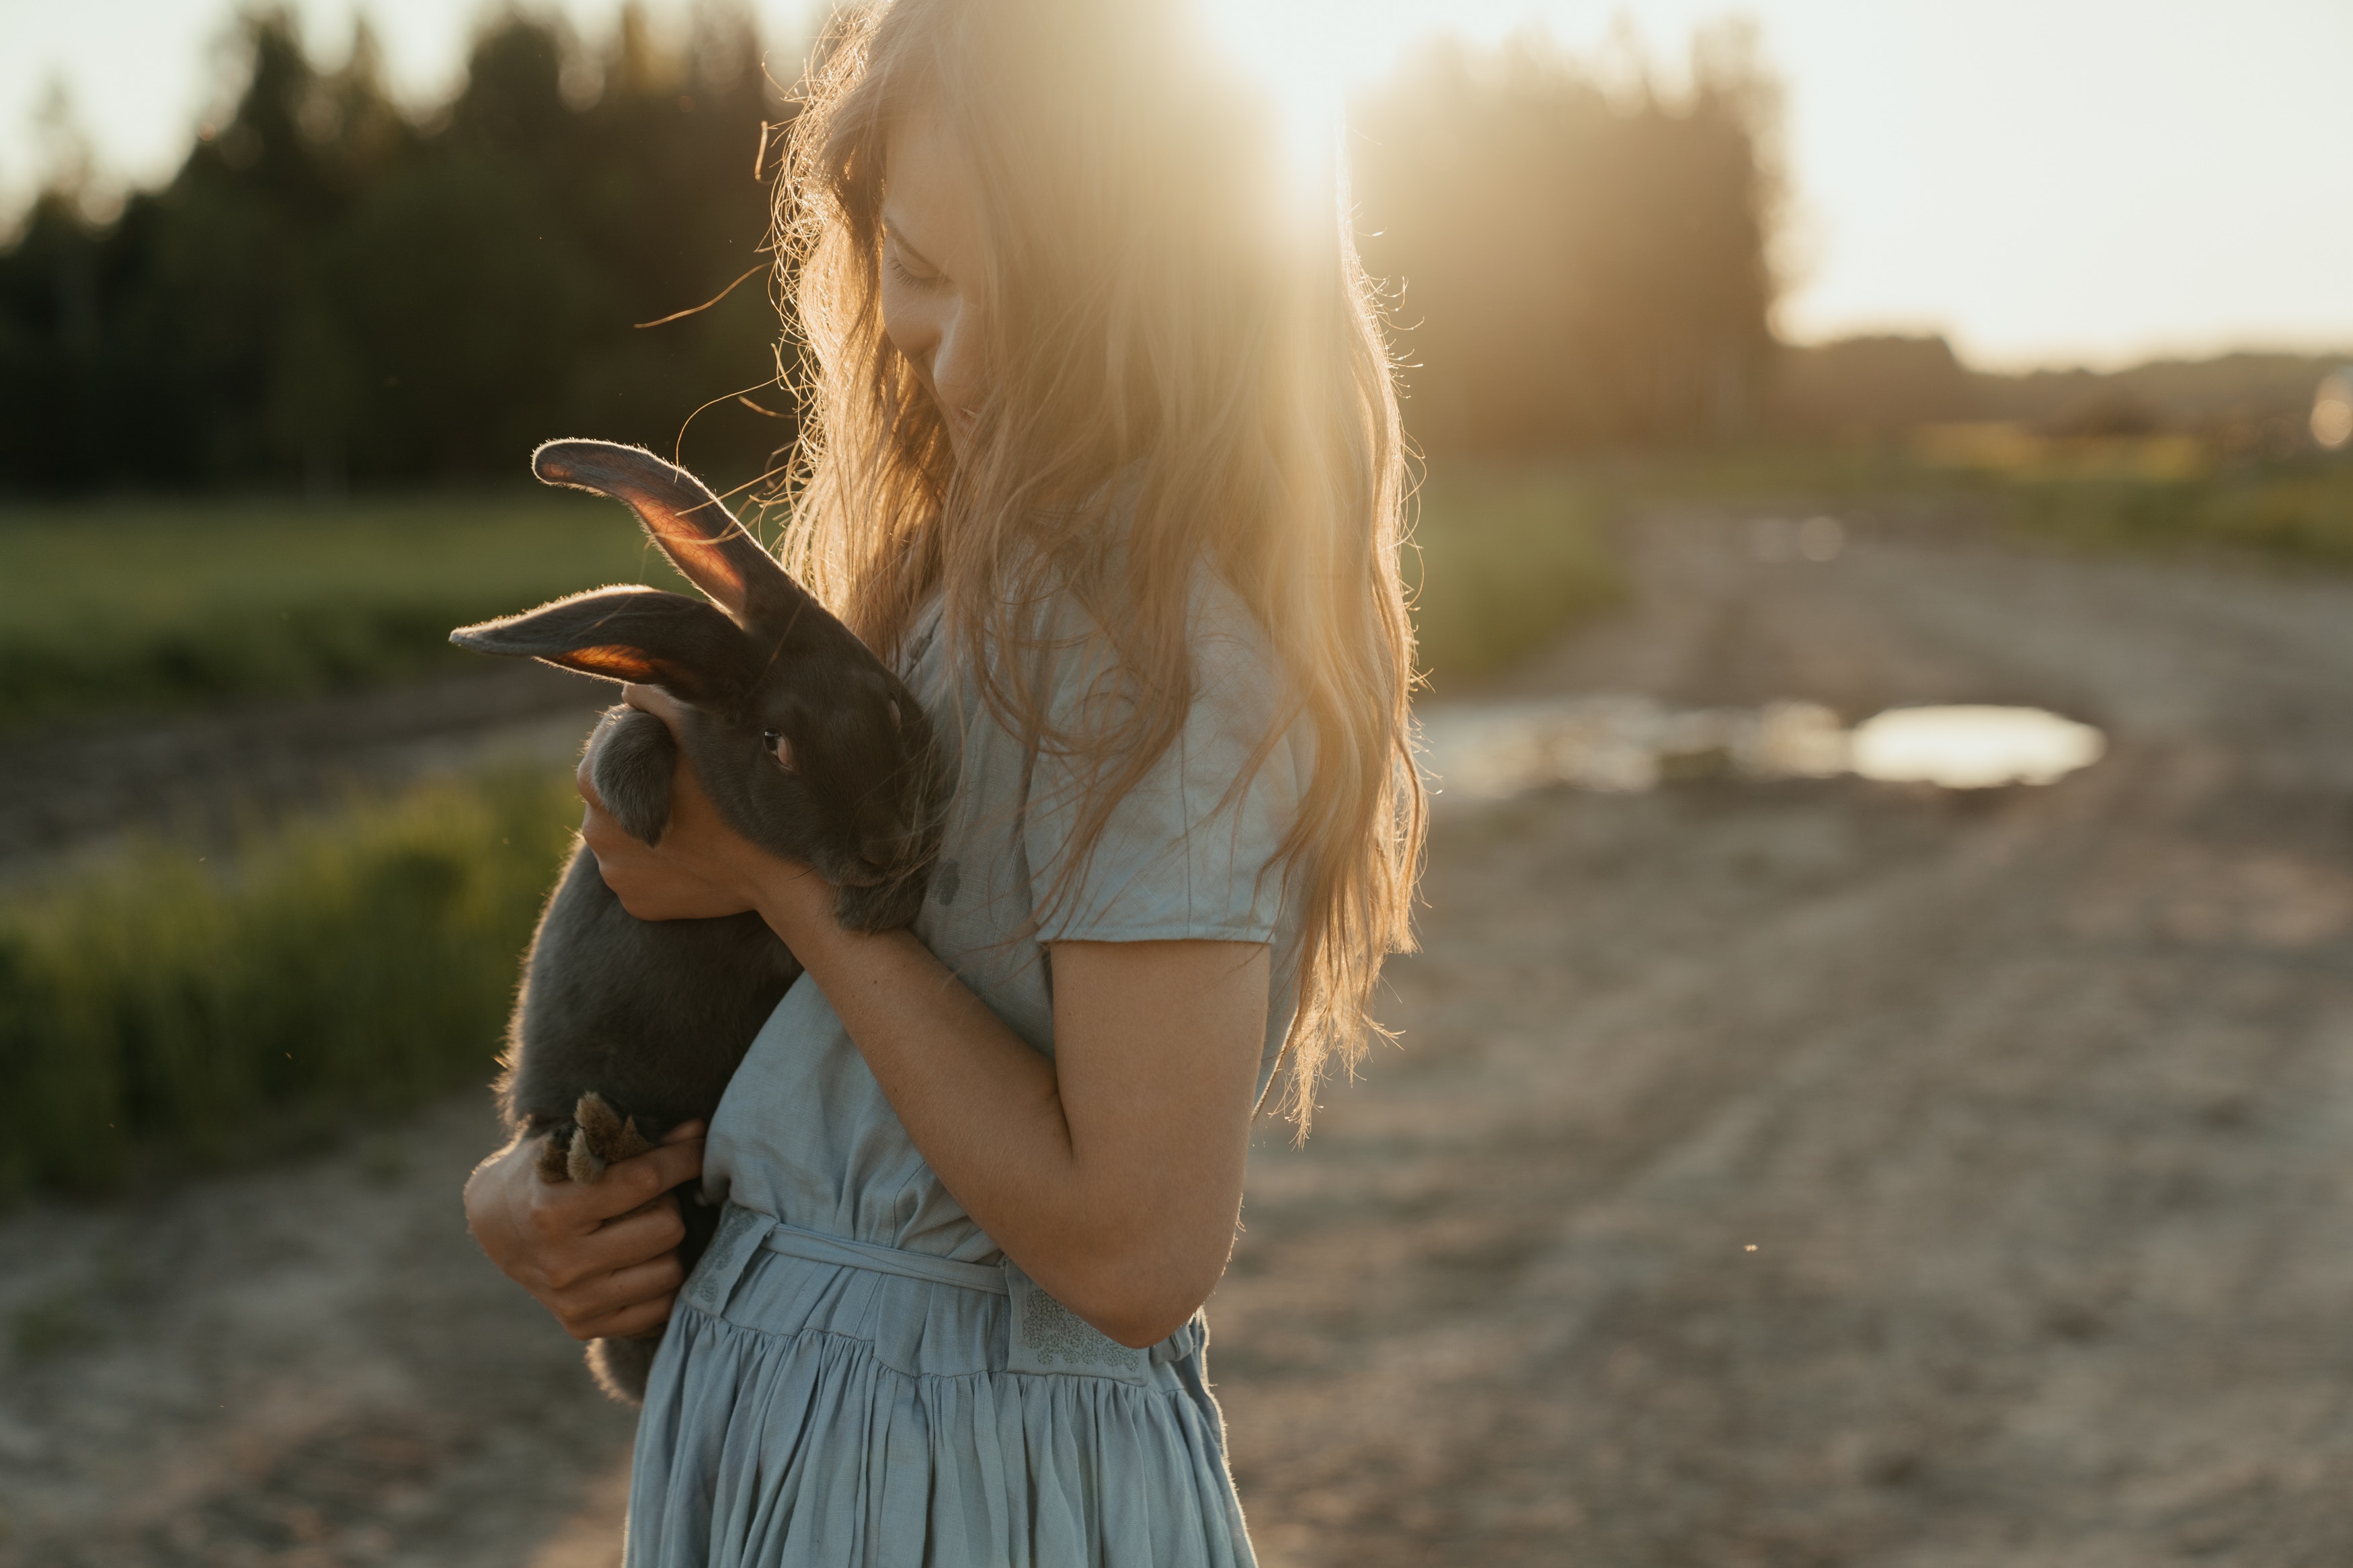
899	271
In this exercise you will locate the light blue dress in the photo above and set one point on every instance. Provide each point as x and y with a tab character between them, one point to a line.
855	1374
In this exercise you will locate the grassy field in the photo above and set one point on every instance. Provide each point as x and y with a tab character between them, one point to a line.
2295	509
1503	560
146	606
140	606
2292	511
169	1015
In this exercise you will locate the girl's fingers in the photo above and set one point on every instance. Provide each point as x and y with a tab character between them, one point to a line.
636	1182
578	1274
634	1237
616	1243
604	837
603	1255
652	700
628	1185
641	1319
623	1302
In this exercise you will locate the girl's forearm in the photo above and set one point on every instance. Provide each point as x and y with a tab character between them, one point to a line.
983	1106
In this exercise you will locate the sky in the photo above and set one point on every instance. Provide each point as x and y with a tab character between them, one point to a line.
2046	181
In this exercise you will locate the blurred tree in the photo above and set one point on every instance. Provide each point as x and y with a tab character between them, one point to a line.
1574	265
331	290
1878	388
1876	384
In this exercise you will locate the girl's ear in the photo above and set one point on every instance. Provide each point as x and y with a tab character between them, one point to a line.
693	527
642	634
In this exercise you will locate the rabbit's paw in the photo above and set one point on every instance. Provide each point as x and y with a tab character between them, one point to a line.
605	1135
556	1154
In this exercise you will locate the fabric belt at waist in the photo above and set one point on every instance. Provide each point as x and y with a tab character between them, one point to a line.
1042	1336
819	1247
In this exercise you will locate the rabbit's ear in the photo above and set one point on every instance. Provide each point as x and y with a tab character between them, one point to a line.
693	527
628	634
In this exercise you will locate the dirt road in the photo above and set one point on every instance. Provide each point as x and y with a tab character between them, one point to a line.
1831	1173
1803	1173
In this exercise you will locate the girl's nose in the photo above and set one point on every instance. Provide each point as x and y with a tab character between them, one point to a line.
958	373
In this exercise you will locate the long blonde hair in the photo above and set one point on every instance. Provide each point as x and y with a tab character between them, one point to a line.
1165	306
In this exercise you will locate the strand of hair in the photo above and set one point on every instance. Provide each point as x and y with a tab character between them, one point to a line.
698	309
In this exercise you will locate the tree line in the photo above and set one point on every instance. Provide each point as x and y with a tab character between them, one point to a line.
335	289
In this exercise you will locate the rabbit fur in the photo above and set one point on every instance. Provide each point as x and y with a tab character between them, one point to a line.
807	744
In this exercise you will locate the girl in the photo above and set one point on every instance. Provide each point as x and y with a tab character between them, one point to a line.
1103	448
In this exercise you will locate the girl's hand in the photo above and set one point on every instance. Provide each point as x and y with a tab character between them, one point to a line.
702	868
603	1255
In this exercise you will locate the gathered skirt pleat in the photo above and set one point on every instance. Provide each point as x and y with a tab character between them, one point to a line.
832	1417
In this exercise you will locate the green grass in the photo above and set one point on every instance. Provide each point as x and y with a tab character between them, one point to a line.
164	1014
2295	509
153	605
2291	511
1506	559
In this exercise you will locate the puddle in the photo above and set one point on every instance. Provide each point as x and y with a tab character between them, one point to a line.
1973	748
1493	751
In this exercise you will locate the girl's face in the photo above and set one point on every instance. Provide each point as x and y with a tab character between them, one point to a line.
934	297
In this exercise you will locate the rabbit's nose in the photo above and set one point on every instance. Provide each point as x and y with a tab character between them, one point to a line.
884	842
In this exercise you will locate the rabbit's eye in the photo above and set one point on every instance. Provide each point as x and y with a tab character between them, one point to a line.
778	747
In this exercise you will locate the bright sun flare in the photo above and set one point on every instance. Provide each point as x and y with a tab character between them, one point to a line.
1308	53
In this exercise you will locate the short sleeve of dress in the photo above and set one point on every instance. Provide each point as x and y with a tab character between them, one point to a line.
1190	851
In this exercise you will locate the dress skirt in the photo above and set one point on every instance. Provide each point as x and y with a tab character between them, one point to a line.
820	1402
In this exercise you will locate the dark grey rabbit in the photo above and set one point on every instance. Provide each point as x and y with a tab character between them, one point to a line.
808	746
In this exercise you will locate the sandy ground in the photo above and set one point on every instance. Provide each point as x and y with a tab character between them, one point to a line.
1801	1174
305	1366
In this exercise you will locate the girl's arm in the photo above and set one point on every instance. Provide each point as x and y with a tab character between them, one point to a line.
1112	1173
